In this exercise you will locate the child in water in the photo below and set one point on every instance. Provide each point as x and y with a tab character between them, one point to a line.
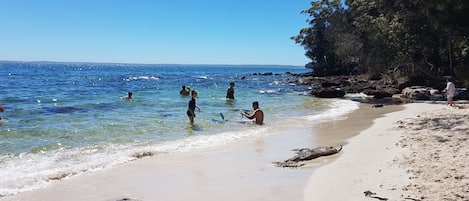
191	108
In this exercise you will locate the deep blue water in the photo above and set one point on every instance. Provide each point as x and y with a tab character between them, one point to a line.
68	119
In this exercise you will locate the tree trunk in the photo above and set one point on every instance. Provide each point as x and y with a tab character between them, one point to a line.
450	53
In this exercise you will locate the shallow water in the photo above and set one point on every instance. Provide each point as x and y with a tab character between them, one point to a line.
67	119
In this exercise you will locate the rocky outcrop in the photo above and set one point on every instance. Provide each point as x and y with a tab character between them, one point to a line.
337	86
329	93
462	94
417	93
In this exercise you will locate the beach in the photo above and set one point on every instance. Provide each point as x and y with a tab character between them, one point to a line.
379	156
419	153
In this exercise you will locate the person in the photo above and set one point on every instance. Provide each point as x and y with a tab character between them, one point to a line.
257	114
230	91
184	91
192	106
450	90
1	109
128	97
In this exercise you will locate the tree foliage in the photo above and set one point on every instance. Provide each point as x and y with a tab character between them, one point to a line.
426	38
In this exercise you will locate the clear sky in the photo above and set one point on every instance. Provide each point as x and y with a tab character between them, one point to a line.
153	31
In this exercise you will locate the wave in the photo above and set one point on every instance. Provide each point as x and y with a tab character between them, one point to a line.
336	109
29	171
138	78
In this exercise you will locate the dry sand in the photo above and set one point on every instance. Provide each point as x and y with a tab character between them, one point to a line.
420	153
439	154
385	159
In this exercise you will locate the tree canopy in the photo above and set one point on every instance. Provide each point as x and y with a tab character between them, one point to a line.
426	38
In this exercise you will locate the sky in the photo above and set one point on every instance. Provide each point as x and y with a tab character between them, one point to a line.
153	31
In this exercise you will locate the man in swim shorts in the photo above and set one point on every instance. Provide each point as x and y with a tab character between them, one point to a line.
257	114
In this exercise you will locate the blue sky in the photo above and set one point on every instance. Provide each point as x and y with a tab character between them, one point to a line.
153	31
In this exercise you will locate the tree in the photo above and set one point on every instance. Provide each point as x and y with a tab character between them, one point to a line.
426	38
317	39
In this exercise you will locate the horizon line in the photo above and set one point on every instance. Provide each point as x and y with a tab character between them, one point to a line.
123	63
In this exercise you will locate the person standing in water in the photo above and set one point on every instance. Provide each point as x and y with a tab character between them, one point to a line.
257	114
230	91
1	109
184	91
191	108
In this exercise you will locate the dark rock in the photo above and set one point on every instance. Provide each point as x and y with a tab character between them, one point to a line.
269	73
328	84
329	93
379	94
462	95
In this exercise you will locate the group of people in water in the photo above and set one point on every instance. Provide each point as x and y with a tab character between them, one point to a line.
257	114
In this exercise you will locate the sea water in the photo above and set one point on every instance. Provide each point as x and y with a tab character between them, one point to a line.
66	119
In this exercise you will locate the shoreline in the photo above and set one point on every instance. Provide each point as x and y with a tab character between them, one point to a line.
244	170
214	173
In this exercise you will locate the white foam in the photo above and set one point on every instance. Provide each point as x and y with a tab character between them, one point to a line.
207	141
337	109
32	171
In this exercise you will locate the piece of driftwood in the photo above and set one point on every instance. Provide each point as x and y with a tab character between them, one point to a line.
373	195
126	199
307	154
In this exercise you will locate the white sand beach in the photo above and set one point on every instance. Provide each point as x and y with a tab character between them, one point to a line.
419	153
394	157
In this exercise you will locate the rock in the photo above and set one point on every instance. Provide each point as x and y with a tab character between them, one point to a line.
462	94
329	93
268	73
417	93
378	94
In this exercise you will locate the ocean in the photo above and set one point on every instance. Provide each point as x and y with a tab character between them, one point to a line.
67	119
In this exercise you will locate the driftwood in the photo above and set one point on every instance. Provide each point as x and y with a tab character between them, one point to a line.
373	195
126	199
307	154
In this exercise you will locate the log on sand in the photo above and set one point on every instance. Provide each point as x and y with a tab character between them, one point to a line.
306	154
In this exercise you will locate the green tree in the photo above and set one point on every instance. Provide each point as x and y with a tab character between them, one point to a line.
317	39
424	38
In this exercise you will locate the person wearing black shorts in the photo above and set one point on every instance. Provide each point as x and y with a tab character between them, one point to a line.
192	106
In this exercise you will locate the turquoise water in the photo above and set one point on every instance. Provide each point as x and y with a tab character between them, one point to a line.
68	119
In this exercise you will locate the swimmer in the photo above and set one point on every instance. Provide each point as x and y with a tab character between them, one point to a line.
257	114
128	97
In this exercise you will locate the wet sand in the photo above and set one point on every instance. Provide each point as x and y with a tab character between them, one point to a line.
244	170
